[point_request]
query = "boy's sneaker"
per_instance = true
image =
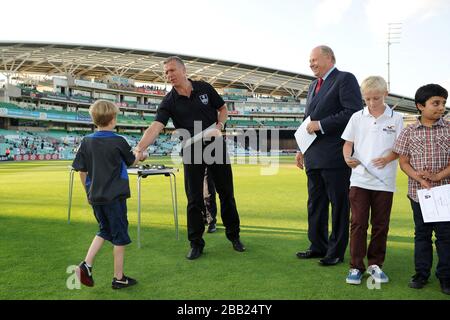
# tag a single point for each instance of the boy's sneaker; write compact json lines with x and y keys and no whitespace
{"x":123,"y":283}
{"x":354,"y":276}
{"x":377,"y":274}
{"x":84,"y":274}
{"x":417,"y":281}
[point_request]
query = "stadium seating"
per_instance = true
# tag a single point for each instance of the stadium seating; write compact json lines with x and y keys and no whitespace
{"x":72,"y":110}
{"x":27,"y":109}
{"x":64,"y":144}
{"x":280,"y":124}
{"x":242,"y":123}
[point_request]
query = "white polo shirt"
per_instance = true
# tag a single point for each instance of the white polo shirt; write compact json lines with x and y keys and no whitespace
{"x":373,"y":138}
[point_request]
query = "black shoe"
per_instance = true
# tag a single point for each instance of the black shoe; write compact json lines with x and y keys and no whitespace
{"x":212,"y":228}
{"x":329,"y":261}
{"x":194,"y":253}
{"x":309,"y":254}
{"x":418,"y":281}
{"x":238,"y":245}
{"x":84,"y":274}
{"x":445,"y":285}
{"x":123,"y":283}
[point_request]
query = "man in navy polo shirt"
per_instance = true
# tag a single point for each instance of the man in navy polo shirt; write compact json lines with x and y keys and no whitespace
{"x":196,"y":105}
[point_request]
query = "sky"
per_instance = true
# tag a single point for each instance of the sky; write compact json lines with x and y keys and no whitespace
{"x":278,"y":34}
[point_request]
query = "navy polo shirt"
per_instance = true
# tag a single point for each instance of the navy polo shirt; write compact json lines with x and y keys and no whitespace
{"x":202,"y":106}
{"x":105,"y":157}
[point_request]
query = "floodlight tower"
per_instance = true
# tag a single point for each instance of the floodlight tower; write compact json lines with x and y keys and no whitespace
{"x":393,"y":37}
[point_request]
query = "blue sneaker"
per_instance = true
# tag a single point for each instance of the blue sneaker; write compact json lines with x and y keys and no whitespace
{"x":377,"y":274}
{"x":354,"y":276}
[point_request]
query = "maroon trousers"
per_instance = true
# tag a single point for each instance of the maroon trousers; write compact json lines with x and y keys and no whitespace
{"x":377,"y":205}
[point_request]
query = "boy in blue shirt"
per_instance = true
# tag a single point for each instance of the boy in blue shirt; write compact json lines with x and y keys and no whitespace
{"x":102,"y":160}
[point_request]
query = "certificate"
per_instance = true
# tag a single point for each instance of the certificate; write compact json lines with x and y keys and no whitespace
{"x":435,"y":203}
{"x":303,"y":138}
{"x":378,"y":174}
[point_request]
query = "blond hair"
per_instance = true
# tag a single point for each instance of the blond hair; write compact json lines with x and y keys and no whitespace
{"x":103,"y":112}
{"x":374,"y":83}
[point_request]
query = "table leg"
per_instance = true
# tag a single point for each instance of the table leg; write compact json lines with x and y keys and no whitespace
{"x":173,"y":190}
{"x":139,"y":211}
{"x":70,"y":194}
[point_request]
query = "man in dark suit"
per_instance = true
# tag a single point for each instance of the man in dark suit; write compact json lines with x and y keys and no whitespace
{"x":332,"y":99}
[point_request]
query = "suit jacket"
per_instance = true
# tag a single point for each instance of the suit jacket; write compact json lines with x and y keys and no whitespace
{"x":338,"y":98}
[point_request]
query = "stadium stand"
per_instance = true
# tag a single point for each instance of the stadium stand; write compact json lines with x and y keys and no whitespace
{"x":57,"y":144}
{"x":47,"y":115}
{"x":61,"y":144}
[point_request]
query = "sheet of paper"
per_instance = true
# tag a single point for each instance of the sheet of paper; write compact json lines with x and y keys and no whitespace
{"x":303,"y":138}
{"x":374,"y":171}
{"x":379,"y":174}
{"x":435,"y":203}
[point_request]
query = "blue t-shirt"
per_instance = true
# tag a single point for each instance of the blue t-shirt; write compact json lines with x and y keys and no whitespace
{"x":105,"y":157}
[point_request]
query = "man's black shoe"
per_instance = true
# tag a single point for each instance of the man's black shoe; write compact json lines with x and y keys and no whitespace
{"x":445,"y":285}
{"x":194,"y":253}
{"x":238,"y":245}
{"x":417,"y":281}
{"x":212,"y":228}
{"x":328,"y":261}
{"x":309,"y":254}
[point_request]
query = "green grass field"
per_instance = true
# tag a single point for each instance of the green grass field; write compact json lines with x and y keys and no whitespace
{"x":37,"y":245}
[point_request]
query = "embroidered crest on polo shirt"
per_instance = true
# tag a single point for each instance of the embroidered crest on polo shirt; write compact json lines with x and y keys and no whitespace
{"x":389,"y":129}
{"x":204,"y":99}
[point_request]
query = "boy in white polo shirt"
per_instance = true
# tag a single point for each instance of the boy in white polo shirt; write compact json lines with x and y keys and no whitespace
{"x":371,"y":133}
